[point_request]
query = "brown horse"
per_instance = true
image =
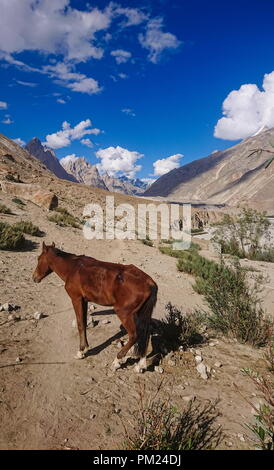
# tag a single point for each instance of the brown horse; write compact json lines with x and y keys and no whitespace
{"x":130,"y":291}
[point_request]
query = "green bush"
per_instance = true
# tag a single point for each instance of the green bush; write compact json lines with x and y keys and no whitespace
{"x":64,"y":218}
{"x":235,"y":306}
{"x":27,"y":227}
{"x":4,"y":209}
{"x":10,"y":239}
{"x":18,"y":201}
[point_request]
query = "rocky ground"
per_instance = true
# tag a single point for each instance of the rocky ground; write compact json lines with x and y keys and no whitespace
{"x":49,"y":400}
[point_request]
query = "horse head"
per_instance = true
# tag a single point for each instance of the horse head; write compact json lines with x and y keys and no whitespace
{"x":43,"y":269}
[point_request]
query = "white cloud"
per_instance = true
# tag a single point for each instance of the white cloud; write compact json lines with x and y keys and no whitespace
{"x":64,"y":137}
{"x":128,"y":111}
{"x":64,"y":75}
{"x":52,"y":28}
{"x":19,"y":141}
{"x":134,"y":16}
{"x":118,"y":161}
{"x":122,"y":75}
{"x":148,"y":181}
{"x":121,"y":56}
{"x":61,"y":101}
{"x":68,"y":158}
{"x":87,"y":142}
{"x":7,"y":120}
{"x":247,"y":110}
{"x":156,"y":41}
{"x":29,"y":84}
{"x":3,"y":105}
{"x":163,"y":166}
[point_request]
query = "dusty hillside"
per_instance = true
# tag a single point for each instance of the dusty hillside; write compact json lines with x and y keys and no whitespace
{"x":226,"y":177}
{"x":49,"y":400}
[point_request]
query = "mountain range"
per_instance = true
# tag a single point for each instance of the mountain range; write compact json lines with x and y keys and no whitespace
{"x":78,"y":169}
{"x":239,"y":175}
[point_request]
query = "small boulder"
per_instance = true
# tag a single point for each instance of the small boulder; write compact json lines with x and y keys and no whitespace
{"x":38,"y":315}
{"x":202,"y":370}
{"x":198,"y":359}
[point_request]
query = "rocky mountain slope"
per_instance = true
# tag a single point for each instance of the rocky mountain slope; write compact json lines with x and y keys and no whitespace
{"x":88,"y":174}
{"x":83,"y":171}
{"x":231,"y":177}
{"x":48,"y":158}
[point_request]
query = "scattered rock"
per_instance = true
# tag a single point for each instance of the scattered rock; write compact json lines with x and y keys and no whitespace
{"x":92,"y":416}
{"x":9,"y":307}
{"x":189,"y":398}
{"x":105,"y":322}
{"x":92,"y":308}
{"x":14,"y":317}
{"x":218,"y":364}
{"x":198,"y":359}
{"x":213,"y":343}
{"x":241,"y":437}
{"x":119,"y":345}
{"x":38,"y":315}
{"x":229,"y":444}
{"x":91,"y":323}
{"x":18,"y":359}
{"x":159,"y":369}
{"x":202,"y":370}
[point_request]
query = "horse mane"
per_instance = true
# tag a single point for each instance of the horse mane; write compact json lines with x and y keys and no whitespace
{"x":60,"y":253}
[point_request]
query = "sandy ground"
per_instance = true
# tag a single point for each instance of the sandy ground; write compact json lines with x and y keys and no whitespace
{"x":49,"y":400}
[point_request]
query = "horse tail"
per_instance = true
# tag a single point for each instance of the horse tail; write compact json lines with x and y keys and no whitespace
{"x":143,"y":317}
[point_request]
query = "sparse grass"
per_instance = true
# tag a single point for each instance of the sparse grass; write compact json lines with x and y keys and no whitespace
{"x":4,"y":209}
{"x":64,"y":218}
{"x":147,"y":241}
{"x":159,"y":425}
{"x":27,"y":227}
{"x":10,"y":239}
{"x":181,"y":329}
{"x":18,"y":201}
{"x":235,"y":305}
{"x":11,"y":177}
{"x":263,"y":428}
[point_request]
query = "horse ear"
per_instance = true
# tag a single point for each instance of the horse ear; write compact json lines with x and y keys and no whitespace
{"x":53,"y":245}
{"x":44,"y":247}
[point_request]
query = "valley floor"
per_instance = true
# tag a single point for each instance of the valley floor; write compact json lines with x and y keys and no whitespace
{"x":49,"y":400}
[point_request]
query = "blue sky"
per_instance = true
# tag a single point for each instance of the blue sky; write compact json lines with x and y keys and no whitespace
{"x":168,"y":65}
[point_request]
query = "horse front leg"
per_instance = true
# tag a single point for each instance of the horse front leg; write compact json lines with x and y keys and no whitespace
{"x":126,"y":317}
{"x":80,"y":307}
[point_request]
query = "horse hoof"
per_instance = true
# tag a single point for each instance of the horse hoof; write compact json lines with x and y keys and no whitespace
{"x":80,"y":355}
{"x":116,"y":364}
{"x":141,"y":366}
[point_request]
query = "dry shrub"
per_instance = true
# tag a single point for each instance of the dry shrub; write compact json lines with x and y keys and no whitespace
{"x":10,"y":239}
{"x":161,"y":426}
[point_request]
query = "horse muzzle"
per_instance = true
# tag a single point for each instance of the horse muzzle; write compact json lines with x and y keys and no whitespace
{"x":36,"y":278}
